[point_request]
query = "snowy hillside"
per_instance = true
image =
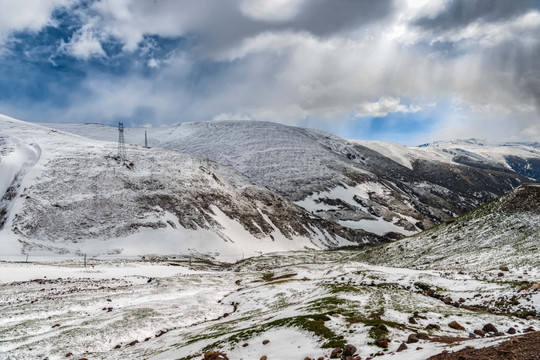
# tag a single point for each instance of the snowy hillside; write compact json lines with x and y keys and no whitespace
{"x":503,"y":232}
{"x":66,"y":194}
{"x":342,"y":180}
{"x":384,"y":188}
{"x":521,"y":158}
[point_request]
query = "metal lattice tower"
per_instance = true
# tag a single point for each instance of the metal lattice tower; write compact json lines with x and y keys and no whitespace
{"x":121,"y":143}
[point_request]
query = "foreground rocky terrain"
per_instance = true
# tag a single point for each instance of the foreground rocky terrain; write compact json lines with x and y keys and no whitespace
{"x":282,"y":306}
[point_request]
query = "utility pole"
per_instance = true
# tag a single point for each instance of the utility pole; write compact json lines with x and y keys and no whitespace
{"x":121,"y":143}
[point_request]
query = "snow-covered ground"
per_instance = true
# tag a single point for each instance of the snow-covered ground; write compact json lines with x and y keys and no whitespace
{"x":304,"y":303}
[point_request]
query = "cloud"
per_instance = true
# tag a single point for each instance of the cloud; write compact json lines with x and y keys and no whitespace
{"x":271,"y":11}
{"x":461,"y":13}
{"x":384,"y":106}
{"x":307,"y":62}
{"x":28,"y":15}
{"x":84,"y":44}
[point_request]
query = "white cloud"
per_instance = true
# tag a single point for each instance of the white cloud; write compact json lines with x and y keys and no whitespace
{"x":84,"y":44}
{"x":384,"y":106}
{"x":29,"y":15}
{"x":275,"y":10}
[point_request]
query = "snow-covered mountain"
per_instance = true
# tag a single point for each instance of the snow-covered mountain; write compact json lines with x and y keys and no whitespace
{"x":345,"y":181}
{"x":388,"y":189}
{"x":63,"y":193}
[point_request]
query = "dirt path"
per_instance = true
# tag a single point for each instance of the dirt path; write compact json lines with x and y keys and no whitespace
{"x":525,"y":347}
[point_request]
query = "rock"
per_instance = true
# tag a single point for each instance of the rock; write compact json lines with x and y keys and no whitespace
{"x":529,"y":317}
{"x":161,"y":332}
{"x":504,"y":268}
{"x":490,"y":328}
{"x":461,"y":300}
{"x":456,"y":325}
{"x":245,"y":345}
{"x":433,"y":326}
{"x":422,"y":336}
{"x":264,"y":357}
{"x":472,"y":336}
{"x":382,"y":342}
{"x":402,"y":347}
{"x":109,"y":300}
{"x":511,"y":331}
{"x":55,"y":325}
{"x":307,"y":358}
{"x":133,"y":342}
{"x":499,"y":334}
{"x":529,"y":329}
{"x":447,"y":300}
{"x":500,"y":274}
{"x":479,"y":333}
{"x":214,"y":355}
{"x":349,"y":350}
{"x":336,"y":353}
{"x":69,"y":354}
{"x":118,"y":346}
{"x":321,"y":358}
{"x":412,"y":339}
{"x":265,"y":342}
{"x":148,"y":338}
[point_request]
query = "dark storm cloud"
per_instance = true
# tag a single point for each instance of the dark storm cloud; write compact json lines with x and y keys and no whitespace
{"x":225,"y":26}
{"x":323,"y":17}
{"x":460,"y":13}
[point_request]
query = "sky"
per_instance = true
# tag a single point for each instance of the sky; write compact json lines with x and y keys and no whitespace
{"x":407,"y":71}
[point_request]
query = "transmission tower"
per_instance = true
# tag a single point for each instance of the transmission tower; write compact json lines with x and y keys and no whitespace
{"x":121,"y":144}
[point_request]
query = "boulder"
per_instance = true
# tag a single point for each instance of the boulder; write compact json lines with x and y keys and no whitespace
{"x":336,"y":353}
{"x":456,"y":325}
{"x":265,"y":342}
{"x":447,"y":300}
{"x":433,"y":326}
{"x":490,"y":328}
{"x":349,"y":350}
{"x":479,"y":333}
{"x":412,"y":339}
{"x":402,"y":347}
{"x":382,"y":342}
{"x":511,"y":331}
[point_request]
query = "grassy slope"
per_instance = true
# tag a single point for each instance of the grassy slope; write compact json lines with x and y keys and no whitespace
{"x":503,"y":232}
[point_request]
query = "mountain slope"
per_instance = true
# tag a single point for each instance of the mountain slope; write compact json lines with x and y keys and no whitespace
{"x":384,"y":188}
{"x":503,"y":232}
{"x":68,"y":194}
{"x":342,"y":180}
